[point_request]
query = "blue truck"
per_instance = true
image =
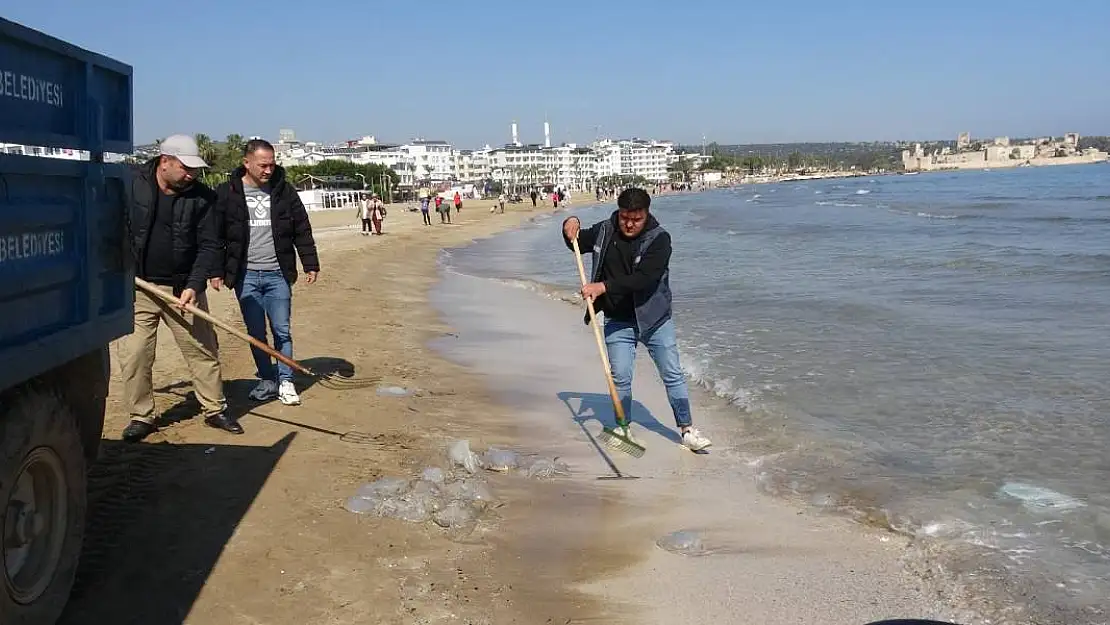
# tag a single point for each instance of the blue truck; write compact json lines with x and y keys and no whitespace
{"x":66,"y":292}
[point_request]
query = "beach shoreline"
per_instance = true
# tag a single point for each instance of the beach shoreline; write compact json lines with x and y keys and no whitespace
{"x":257,"y":523}
{"x":973,"y":542}
{"x":769,"y":559}
{"x":253,"y":528}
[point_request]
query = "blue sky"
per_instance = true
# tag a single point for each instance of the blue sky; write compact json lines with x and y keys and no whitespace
{"x":733,"y":71}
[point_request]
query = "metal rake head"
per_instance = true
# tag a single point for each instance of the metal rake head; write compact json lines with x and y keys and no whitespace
{"x":359,"y":438}
{"x":337,"y":382}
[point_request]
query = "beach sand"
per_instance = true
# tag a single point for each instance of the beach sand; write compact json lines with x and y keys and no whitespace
{"x":197,"y":526}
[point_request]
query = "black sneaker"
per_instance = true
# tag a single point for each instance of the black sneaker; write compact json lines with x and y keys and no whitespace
{"x":137,"y":431}
{"x":223,"y":422}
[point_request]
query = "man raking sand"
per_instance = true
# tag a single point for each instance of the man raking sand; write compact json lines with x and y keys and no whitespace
{"x":630,"y":283}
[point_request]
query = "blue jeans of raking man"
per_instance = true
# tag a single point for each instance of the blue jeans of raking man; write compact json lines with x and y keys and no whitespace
{"x":621,"y":339}
{"x":266,"y":295}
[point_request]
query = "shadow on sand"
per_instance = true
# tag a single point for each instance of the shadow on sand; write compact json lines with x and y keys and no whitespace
{"x":159,"y":518}
{"x":238,"y":391}
{"x":586,"y":406}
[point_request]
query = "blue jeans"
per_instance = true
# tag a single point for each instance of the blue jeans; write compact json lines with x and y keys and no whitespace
{"x":264,"y":294}
{"x":620,"y":341}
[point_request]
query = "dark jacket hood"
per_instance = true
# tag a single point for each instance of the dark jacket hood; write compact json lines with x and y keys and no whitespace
{"x":651,"y":224}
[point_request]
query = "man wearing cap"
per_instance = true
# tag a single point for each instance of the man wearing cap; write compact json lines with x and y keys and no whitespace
{"x":175,"y":242}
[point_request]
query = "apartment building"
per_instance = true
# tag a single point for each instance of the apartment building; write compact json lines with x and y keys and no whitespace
{"x":634,"y":157}
{"x":514,"y":164}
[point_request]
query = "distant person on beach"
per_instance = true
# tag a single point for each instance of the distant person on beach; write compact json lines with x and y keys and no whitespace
{"x":364,"y":214}
{"x":175,"y":242}
{"x":501,"y":199}
{"x":631,"y":286}
{"x":555,"y":199}
{"x":443,"y":209}
{"x":424,"y":201}
{"x":377,"y":213}
{"x":534,"y":195}
{"x":458,"y":202}
{"x":265,"y":228}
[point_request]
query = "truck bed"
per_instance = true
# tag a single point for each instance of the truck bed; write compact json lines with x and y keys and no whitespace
{"x":65,"y":271}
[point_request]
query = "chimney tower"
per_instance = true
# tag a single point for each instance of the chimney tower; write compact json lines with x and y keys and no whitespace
{"x":516,"y":138}
{"x":546,"y":135}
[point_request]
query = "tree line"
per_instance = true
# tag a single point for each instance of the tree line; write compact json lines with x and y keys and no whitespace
{"x":223,"y":157}
{"x":755,"y":159}
{"x":1100,"y":143}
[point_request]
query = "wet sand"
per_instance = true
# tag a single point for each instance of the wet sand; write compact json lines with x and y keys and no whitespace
{"x":762,"y":560}
{"x":197,"y":526}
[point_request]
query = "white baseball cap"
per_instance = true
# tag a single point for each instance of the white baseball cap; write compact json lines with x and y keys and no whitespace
{"x":183,"y":148}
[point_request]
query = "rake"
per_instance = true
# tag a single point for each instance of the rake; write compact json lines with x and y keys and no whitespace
{"x":331,"y":381}
{"x":619,"y":438}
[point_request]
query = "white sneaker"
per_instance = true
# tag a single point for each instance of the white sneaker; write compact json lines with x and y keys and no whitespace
{"x":265,"y":390}
{"x":287,"y":393}
{"x":694,"y":440}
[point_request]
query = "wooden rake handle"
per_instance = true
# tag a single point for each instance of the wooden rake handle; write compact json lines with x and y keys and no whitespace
{"x":600,"y":339}
{"x":152,"y":290}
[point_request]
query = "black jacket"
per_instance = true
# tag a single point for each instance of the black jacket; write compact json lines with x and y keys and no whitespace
{"x":196,"y":241}
{"x":288,"y":218}
{"x":634,"y":270}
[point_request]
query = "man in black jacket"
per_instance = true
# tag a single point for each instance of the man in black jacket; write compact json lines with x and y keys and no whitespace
{"x":265,"y":227}
{"x":630,"y":285}
{"x":175,"y":242}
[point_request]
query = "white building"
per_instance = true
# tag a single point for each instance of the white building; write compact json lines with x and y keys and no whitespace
{"x":471,"y":165}
{"x":433,"y":159}
{"x":29,"y":150}
{"x":634,"y":157}
{"x":515,"y":164}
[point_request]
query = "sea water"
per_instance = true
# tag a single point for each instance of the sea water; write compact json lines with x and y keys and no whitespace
{"x":929,"y":353}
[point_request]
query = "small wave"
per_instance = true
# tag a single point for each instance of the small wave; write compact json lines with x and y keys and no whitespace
{"x":994,"y":205}
{"x":744,"y":398}
{"x":928,"y":215}
{"x":1065,"y":219}
{"x":1039,"y":498}
{"x":863,"y":191}
{"x":1087,"y":198}
{"x":549,"y":291}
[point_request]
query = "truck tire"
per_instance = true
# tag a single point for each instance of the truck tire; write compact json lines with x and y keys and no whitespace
{"x":83,"y":383}
{"x":42,"y":505}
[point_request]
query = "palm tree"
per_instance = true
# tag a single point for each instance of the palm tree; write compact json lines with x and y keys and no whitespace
{"x":752,"y":163}
{"x":234,"y":145}
{"x":206,"y":148}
